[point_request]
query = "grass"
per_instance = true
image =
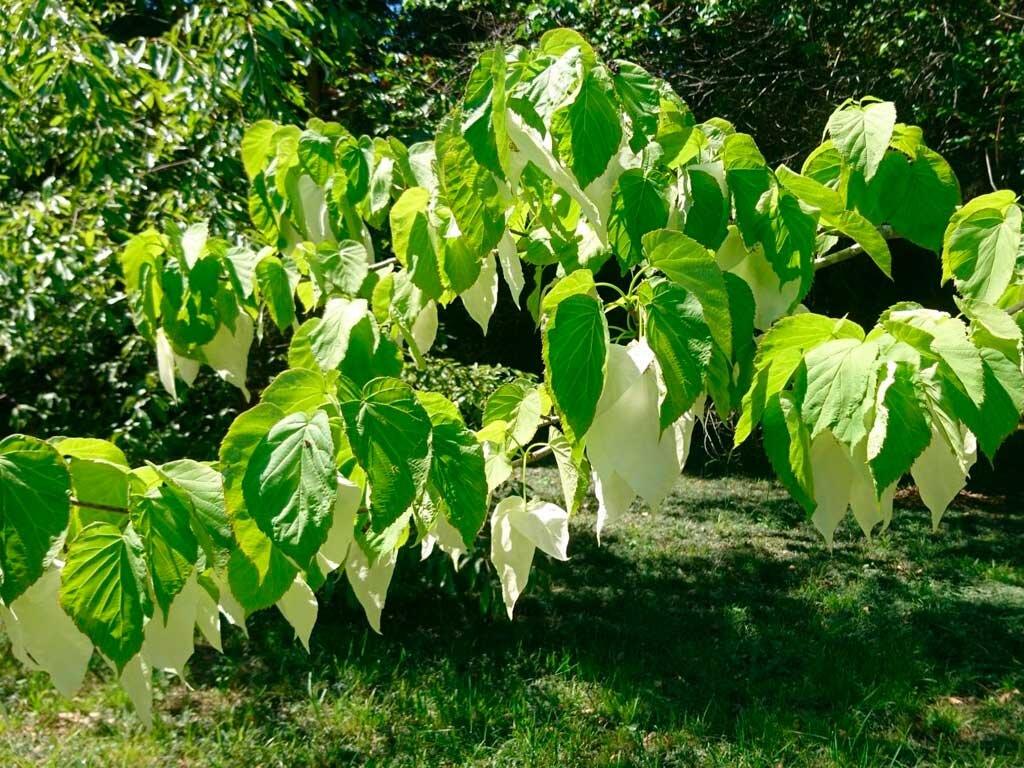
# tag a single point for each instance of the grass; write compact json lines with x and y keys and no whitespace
{"x":716,"y":631}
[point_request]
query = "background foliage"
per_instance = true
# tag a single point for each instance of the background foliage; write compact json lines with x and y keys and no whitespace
{"x":135,"y":112}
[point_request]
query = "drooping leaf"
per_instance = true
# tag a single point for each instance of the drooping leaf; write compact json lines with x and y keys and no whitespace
{"x":456,"y":467}
{"x":34,"y":511}
{"x":103,"y":589}
{"x":689,"y":264}
{"x":840,"y":379}
{"x":389,"y":432}
{"x":162,"y":522}
{"x":682,"y":345}
{"x":290,"y":483}
{"x":575,"y":343}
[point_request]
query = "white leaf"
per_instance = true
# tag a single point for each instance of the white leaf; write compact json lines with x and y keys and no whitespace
{"x":137,"y":681}
{"x":169,"y":646}
{"x":511,"y":267}
{"x":613,"y":499}
{"x":939,"y":475}
{"x":772,"y":298}
{"x":229,"y":605}
{"x":517,"y":530}
{"x":370,"y":582}
{"x":315,"y":215}
{"x":44,"y":637}
{"x":531,"y":147}
{"x":187,"y":368}
{"x":299,"y":607}
{"x":228,"y":353}
{"x":422,"y":162}
{"x":193,"y":240}
{"x":165,"y":363}
{"x":481,"y":297}
{"x":208,"y":619}
{"x":833,"y":479}
{"x":339,"y":537}
{"x":424,"y":328}
{"x":445,"y":536}
{"x":497,"y":468}
{"x":867,"y":508}
{"x":625,"y":439}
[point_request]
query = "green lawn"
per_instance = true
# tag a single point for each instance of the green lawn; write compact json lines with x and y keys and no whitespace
{"x":717,"y":631}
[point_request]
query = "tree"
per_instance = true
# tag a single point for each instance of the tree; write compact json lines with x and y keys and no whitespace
{"x":554,"y":164}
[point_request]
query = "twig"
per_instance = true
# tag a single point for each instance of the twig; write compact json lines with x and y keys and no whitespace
{"x":378,"y":265}
{"x":848,"y":253}
{"x":101,"y":507}
{"x":1015,"y":308}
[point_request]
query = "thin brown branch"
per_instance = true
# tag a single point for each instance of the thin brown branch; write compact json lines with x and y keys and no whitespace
{"x":100,"y":507}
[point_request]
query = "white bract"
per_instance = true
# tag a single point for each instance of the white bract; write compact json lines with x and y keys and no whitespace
{"x":518,"y":529}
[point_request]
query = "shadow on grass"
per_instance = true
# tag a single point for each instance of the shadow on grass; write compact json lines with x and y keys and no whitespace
{"x":722,"y":616}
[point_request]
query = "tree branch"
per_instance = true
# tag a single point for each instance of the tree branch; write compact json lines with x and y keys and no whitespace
{"x":846,"y":254}
{"x":384,"y":264}
{"x":100,"y":507}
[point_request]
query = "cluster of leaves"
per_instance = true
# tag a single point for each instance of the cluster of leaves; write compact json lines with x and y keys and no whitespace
{"x":116,"y":113}
{"x":557,"y":163}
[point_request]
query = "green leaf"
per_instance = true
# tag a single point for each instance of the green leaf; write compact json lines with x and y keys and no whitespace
{"x":748,"y":179}
{"x":290,"y":483}
{"x":901,"y":430}
{"x":257,"y":146}
{"x":682,"y":344}
{"x":1003,"y":402}
{"x":298,"y":390}
{"x":917,"y":198}
{"x":339,"y":268}
{"x":259,"y":574}
{"x":840,"y":377}
{"x":689,"y":264}
{"x":788,"y":445}
{"x":103,"y":589}
{"x":573,"y":469}
{"x":316,"y":156}
{"x":835,"y":214}
{"x":456,"y":467}
{"x":170,"y":546}
{"x":780,"y":353}
{"x":276,"y":291}
{"x":824,"y":165}
{"x":575,"y":347}
{"x":202,"y":487}
{"x":708,"y":215}
{"x":639,"y":94}
{"x":518,"y":405}
{"x":389,"y":432}
{"x":861,"y":134}
{"x":415,"y":241}
{"x":34,"y":511}
{"x":981,"y":245}
{"x":336,"y":332}
{"x":788,"y":234}
{"x":941,"y":338}
{"x":472,"y":194}
{"x":992,"y":327}
{"x":639,"y":205}
{"x":594,"y":131}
